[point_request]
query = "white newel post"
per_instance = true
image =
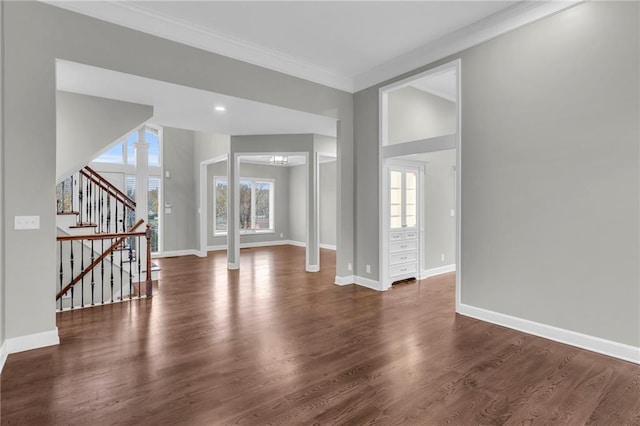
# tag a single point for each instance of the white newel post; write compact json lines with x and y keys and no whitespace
{"x":142,"y":191}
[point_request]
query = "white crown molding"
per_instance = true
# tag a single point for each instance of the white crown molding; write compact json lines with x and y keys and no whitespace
{"x":509,"y":19}
{"x":130,"y":16}
{"x":584,"y":341}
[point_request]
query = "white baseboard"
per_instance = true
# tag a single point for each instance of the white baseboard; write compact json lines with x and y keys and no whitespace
{"x":175,"y":253}
{"x":216,"y":248}
{"x":296,"y":243}
{"x":312,"y":268}
{"x":233,"y":266}
{"x":349,"y":279}
{"x":437,"y":271}
{"x":584,"y":341}
{"x":3,"y":355}
{"x":366,"y":282}
{"x":328,"y":246}
{"x":32,"y":341}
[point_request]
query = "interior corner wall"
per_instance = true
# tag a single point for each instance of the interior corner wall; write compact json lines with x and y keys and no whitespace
{"x":35,"y":35}
{"x":86,"y":125}
{"x":2,"y":223}
{"x":550,"y":172}
{"x":179,"y":190}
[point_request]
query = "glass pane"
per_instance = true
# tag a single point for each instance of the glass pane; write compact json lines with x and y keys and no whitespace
{"x":412,"y":180}
{"x":411,"y":210}
{"x":411,"y":221}
{"x":64,"y":195}
{"x":395,"y":179}
{"x":245,"y":205}
{"x":396,"y":222}
{"x":263,"y":217}
{"x":131,"y":151}
{"x":152,"y":215}
{"x":130,"y":189}
{"x":221,"y":204}
{"x":113,"y":155}
{"x":411,"y":196}
{"x":396,"y":210}
{"x":396,"y":196}
{"x":154,"y":148}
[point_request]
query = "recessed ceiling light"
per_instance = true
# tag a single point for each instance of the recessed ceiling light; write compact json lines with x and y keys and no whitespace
{"x":220,"y":108}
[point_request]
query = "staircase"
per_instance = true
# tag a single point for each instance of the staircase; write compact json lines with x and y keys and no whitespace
{"x":103,"y":255}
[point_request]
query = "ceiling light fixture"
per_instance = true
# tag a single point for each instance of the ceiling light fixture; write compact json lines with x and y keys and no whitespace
{"x":279,"y":160}
{"x":220,"y":108}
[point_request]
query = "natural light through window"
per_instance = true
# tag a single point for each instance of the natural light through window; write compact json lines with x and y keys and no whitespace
{"x":256,"y":205}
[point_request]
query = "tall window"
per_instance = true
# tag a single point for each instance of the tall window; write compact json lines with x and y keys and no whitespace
{"x":124,"y":152}
{"x":153,"y":196}
{"x":256,"y":205}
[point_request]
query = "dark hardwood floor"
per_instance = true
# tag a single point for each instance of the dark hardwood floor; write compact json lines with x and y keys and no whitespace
{"x":271,"y":344}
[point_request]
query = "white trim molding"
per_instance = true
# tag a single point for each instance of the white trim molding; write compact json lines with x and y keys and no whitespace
{"x":32,"y":341}
{"x":583,"y":341}
{"x":348,"y":280}
{"x":3,"y":355}
{"x":312,"y":268}
{"x":176,"y":253}
{"x":437,"y":271}
{"x":233,"y":266}
{"x":369,"y":283}
{"x":328,"y":246}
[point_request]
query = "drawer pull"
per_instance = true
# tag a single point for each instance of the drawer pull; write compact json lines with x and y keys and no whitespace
{"x":403,"y":269}
{"x":403,"y":258}
{"x":403,"y":246}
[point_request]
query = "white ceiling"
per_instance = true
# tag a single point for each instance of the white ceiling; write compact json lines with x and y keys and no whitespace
{"x":349,"y":45}
{"x":188,"y":108}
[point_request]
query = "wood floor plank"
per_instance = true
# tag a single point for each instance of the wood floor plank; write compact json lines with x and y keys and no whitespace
{"x":273,"y":344}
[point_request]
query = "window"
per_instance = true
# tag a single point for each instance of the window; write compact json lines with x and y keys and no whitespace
{"x":124,"y":152}
{"x":152,"y":209}
{"x":113,"y":155}
{"x":256,"y":205}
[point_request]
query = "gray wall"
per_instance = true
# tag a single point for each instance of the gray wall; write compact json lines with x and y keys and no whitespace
{"x":280,"y":175}
{"x":35,"y":34}
{"x":415,"y":114}
{"x":550,"y":193}
{"x":85,"y":125}
{"x":179,"y":226}
{"x":2,"y":241}
{"x":439,"y":199}
{"x":298,"y":203}
{"x":328,"y":187}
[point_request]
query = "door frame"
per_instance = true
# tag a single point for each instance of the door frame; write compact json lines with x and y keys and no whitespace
{"x":436,"y":144}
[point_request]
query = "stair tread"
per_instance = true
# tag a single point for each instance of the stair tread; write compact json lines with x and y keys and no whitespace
{"x":84,"y":225}
{"x":68,"y":213}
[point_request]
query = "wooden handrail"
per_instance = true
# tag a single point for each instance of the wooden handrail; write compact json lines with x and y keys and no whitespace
{"x":100,"y":236}
{"x":107,"y":186}
{"x":102,"y":256}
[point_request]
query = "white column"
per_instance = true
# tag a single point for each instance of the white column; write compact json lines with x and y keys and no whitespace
{"x":142,"y":189}
{"x":233,"y":212}
{"x":313,"y":224}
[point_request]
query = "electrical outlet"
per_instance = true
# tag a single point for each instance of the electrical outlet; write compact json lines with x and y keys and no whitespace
{"x":281,"y":235}
{"x":349,"y":267}
{"x":368,"y":268}
{"x":453,"y":212}
{"x":442,"y":257}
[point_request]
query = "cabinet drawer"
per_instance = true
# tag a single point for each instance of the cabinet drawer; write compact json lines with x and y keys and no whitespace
{"x":410,"y":256}
{"x":410,"y":235}
{"x":404,"y":269}
{"x":396,"y":236}
{"x":403,"y":246}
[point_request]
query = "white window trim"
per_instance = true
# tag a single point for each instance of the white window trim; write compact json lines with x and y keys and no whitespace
{"x":272,"y":228}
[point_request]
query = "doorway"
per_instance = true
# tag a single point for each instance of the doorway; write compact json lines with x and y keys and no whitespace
{"x":420,"y":151}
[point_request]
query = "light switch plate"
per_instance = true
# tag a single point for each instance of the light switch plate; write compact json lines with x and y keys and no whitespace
{"x":26,"y":222}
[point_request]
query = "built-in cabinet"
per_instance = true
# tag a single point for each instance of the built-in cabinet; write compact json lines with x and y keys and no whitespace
{"x":403,"y":258}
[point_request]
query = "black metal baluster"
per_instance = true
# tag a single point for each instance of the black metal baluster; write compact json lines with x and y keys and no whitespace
{"x":71,"y":196}
{"x":111,"y":280}
{"x":82,"y":273}
{"x":71,"y":261}
{"x":95,"y":205}
{"x":80,"y":196}
{"x":121,"y":273}
{"x":108,"y":213}
{"x":130,"y":272}
{"x":93,"y":281}
{"x":139,"y":267}
{"x":61,"y":273}
{"x":102,"y":274}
